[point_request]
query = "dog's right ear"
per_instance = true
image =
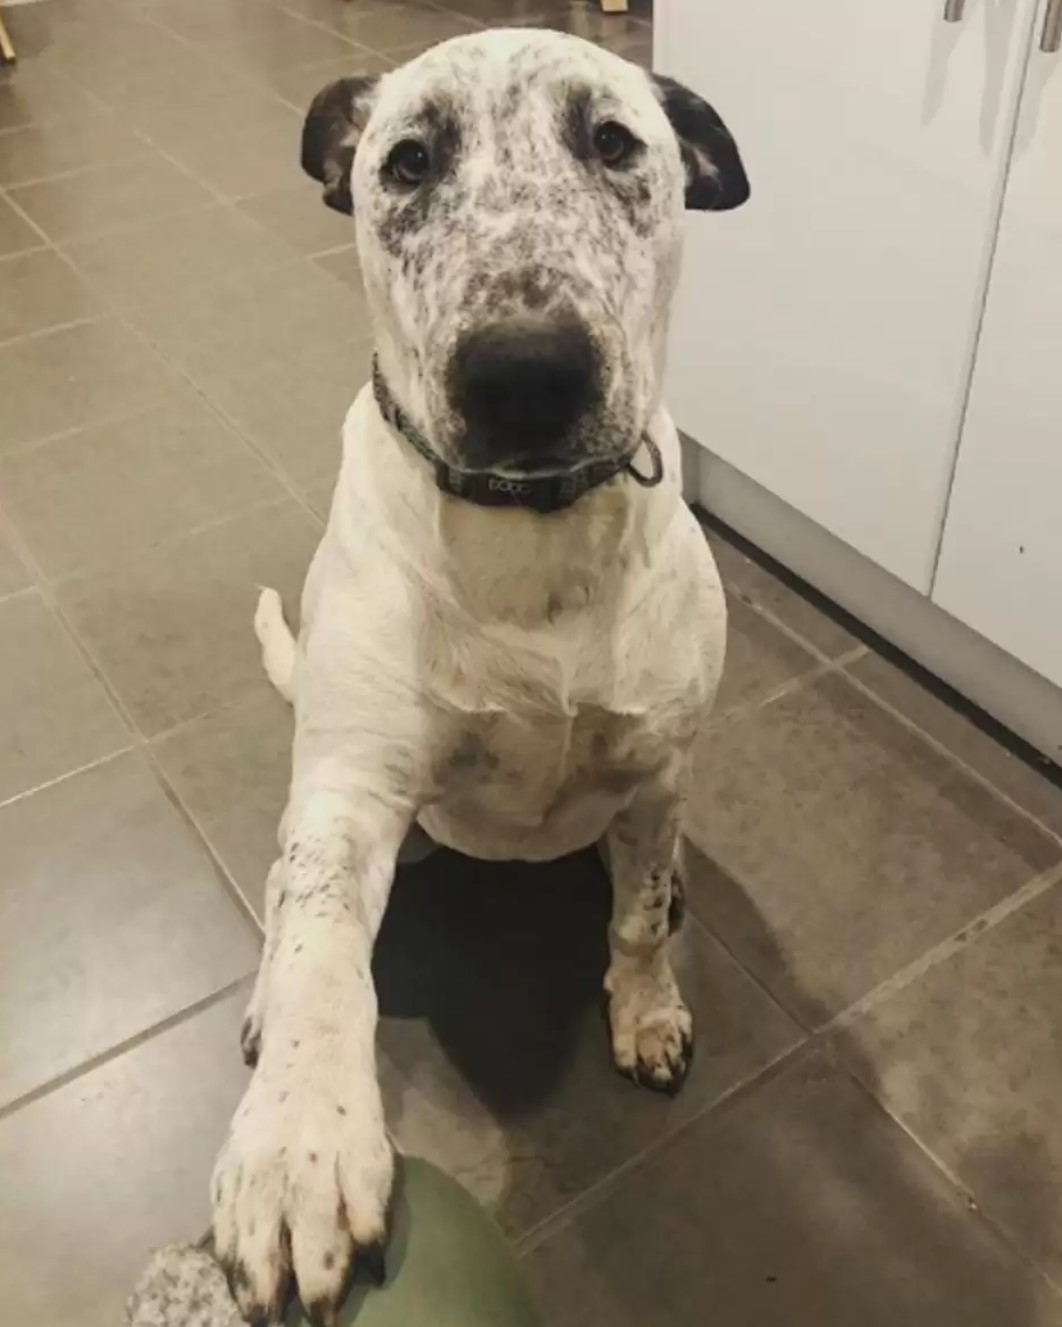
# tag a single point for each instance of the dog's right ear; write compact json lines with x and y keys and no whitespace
{"x":334,"y":124}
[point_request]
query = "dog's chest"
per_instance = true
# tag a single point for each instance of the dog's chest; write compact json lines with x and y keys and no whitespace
{"x":513,"y":786}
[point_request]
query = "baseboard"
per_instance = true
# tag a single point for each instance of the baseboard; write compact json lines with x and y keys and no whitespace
{"x":1020,"y":699}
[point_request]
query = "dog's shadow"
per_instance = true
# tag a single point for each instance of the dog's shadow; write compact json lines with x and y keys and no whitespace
{"x":501,"y":961}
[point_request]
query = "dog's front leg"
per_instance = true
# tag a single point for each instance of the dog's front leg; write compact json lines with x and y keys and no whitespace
{"x":652,"y":1030}
{"x":302,"y":1183}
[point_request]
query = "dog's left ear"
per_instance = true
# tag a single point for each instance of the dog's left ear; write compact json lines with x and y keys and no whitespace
{"x":715,"y":177}
{"x":335,"y":121}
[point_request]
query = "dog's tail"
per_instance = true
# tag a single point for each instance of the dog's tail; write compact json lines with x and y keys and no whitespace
{"x":277,"y":642}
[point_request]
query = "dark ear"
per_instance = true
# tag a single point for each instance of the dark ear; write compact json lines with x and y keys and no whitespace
{"x":334,"y":123}
{"x":715,"y":178}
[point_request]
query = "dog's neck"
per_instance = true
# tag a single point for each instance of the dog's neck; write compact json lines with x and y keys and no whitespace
{"x":506,"y":565}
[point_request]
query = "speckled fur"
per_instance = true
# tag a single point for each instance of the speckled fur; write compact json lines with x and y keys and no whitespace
{"x":520,"y":222}
{"x":516,"y":685}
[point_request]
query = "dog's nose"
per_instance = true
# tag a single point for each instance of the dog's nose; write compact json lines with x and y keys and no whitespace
{"x":528,"y":382}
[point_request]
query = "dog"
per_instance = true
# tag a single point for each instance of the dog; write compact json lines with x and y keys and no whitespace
{"x":513,"y":627}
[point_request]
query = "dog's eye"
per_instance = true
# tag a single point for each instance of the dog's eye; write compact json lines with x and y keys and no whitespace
{"x":614,"y":143}
{"x":408,"y":162}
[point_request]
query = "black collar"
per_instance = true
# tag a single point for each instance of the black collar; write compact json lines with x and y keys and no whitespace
{"x":540,"y":493}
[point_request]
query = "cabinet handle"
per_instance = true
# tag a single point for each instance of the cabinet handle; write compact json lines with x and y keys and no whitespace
{"x":1051,"y":33}
{"x":953,"y":10}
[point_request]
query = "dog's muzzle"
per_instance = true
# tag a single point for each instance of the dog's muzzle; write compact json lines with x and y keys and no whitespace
{"x":522,"y":386}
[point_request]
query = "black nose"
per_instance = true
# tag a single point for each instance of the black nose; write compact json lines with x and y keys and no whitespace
{"x":528,"y":382}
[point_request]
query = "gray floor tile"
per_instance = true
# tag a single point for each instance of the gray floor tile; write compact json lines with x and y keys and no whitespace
{"x":298,"y":87}
{"x":163,"y":259}
{"x":189,"y":608}
{"x":808,"y":1206}
{"x":838,"y":847}
{"x":75,"y":377}
{"x":14,"y":574}
{"x":319,"y":496}
{"x":501,"y":13}
{"x":54,"y":714}
{"x":250,"y":157}
{"x":231,"y":770}
{"x":16,"y":234}
{"x":508,"y":1077}
{"x":296,"y":416}
{"x":42,"y":291}
{"x":393,"y":27}
{"x":747,"y":580}
{"x":30,"y":95}
{"x":157,"y":105}
{"x":249,"y":35}
{"x":104,"y":197}
{"x":968,"y":1057}
{"x":108,"y":493}
{"x":299,"y":217}
{"x":345,"y":266}
{"x":273,"y":324}
{"x":759,"y":659}
{"x":39,"y":151}
{"x":1035,"y":788}
{"x":120,"y":917}
{"x":109,"y":1167}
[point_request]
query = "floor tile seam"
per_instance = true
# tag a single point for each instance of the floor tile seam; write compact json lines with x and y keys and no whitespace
{"x":86,"y":767}
{"x":125,"y":1047}
{"x":207,"y":49}
{"x":973,"y":1203}
{"x":970,"y":933}
{"x":178,"y":371}
{"x":799,"y":682}
{"x":952,"y":757}
{"x":140,"y":148}
{"x":21,"y":338}
{"x":321,"y":25}
{"x":226,"y":878}
{"x":704,"y":928}
{"x":46,"y":591}
{"x":721,"y":1107}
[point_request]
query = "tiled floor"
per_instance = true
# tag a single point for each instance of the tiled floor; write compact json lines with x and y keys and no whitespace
{"x":874,"y":949}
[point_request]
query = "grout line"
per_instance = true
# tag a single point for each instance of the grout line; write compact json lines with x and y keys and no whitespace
{"x":132,"y":1043}
{"x":15,"y":798}
{"x":952,"y":757}
{"x":39,"y":333}
{"x":944,"y":950}
{"x":973,"y":1203}
{"x":599,"y":1190}
{"x":227,"y":879}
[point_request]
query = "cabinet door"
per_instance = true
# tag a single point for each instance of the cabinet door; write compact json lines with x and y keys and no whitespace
{"x":823,"y":333}
{"x":1001,"y":560}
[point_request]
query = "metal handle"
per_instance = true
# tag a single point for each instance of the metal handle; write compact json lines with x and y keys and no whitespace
{"x":1051,"y":33}
{"x":953,"y":10}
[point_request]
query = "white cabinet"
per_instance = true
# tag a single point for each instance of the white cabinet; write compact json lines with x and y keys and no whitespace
{"x":1001,"y":558}
{"x":823,"y":334}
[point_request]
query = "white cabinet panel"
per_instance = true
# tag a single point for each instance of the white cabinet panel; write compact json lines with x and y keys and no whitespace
{"x":1001,"y":561}
{"x":823,"y":333}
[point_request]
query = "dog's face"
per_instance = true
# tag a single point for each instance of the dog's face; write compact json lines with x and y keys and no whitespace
{"x":518,"y":197}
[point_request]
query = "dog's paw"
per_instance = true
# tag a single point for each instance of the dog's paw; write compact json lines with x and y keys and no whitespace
{"x":652,"y":1030}
{"x":300,"y":1193}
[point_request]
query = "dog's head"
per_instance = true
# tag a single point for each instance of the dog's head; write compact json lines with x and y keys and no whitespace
{"x":518,"y":196}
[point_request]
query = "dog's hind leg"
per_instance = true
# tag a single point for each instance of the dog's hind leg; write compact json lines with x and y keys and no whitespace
{"x":277,"y":642}
{"x":652,"y":1030}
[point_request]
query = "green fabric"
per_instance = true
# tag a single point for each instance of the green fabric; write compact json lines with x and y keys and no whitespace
{"x":448,"y":1264}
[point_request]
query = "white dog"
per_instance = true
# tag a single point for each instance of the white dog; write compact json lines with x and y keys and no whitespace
{"x":513,"y":627}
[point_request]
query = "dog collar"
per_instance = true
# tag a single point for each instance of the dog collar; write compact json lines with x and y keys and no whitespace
{"x":539,"y":493}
